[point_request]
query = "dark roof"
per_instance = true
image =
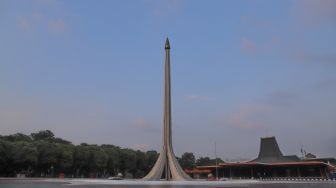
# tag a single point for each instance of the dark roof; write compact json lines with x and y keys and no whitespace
{"x":326,"y":160}
{"x":269,"y":152}
{"x":209,"y":166}
{"x":299,"y":163}
{"x":250,"y":164}
{"x":293,"y":157}
{"x":270,"y":155}
{"x":310,"y":156}
{"x":239,"y":164}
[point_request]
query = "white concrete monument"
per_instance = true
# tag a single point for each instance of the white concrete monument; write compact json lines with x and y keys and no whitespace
{"x":166,"y":165}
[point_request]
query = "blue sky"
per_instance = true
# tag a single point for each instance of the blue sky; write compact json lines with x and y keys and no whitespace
{"x":92,"y":71}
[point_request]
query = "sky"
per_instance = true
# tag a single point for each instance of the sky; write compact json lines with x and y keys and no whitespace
{"x":92,"y":71}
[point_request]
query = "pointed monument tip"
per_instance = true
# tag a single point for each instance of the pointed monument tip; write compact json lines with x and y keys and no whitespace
{"x":167,"y":45}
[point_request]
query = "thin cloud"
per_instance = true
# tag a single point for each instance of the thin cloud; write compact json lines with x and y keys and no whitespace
{"x":306,"y":15}
{"x":283,"y":98}
{"x":47,"y":16}
{"x":282,"y":95}
{"x":248,"y":117}
{"x":247,"y":45}
{"x":57,"y":26}
{"x":37,"y":16}
{"x":142,"y":147}
{"x":164,"y":8}
{"x":142,"y":124}
{"x":45,"y":2}
{"x":328,"y":83}
{"x":139,"y":122}
{"x":194,"y":97}
{"x":254,"y":22}
{"x":24,"y":23}
{"x":267,"y":44}
{"x":39,"y":21}
{"x":312,"y":13}
{"x":262,"y":46}
{"x":310,"y":57}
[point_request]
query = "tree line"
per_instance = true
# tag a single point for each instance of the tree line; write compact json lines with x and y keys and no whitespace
{"x":41,"y":154}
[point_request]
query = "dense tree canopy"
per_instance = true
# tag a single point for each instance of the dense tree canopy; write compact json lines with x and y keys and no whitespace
{"x":43,"y":154}
{"x":206,"y":161}
{"x":42,"y":135}
{"x":187,"y":161}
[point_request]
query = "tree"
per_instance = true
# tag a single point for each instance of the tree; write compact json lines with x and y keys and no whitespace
{"x":187,"y":161}
{"x":81,"y":157}
{"x":141,"y":164}
{"x":113,"y":159}
{"x":151,"y":157}
{"x":42,"y":135}
{"x":7,"y":167}
{"x":127,"y":162}
{"x":100,"y":159}
{"x":206,"y":161}
{"x":203,"y":161}
{"x":216,"y":161}
{"x":17,"y":137}
{"x":64,"y":158}
{"x":43,"y":154}
{"x":58,"y":140}
{"x":2,"y":153}
{"x":47,"y":157}
{"x":25,"y":156}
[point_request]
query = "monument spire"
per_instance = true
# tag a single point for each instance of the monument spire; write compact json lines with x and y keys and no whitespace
{"x":167,"y":45}
{"x":166,"y":165}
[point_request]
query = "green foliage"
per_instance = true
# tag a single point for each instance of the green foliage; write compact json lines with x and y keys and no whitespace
{"x":64,"y":159}
{"x":203,"y":161}
{"x":47,"y":153}
{"x":43,"y":154}
{"x":25,"y":154}
{"x":206,"y":161}
{"x":17,"y":137}
{"x":187,"y":161}
{"x":151,"y":157}
{"x":58,"y":140}
{"x":42,"y":135}
{"x":112,"y":164}
{"x":127,"y":161}
{"x":6,"y":158}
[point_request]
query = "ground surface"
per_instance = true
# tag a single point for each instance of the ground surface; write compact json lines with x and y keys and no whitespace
{"x":100,"y":183}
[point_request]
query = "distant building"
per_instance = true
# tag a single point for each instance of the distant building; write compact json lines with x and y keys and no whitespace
{"x":269,"y":163}
{"x":328,"y":160}
{"x":310,"y":156}
{"x":199,"y":173}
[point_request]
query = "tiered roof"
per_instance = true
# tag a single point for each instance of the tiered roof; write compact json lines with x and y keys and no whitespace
{"x":269,"y":152}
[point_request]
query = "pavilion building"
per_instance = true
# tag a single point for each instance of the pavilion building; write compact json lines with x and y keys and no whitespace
{"x":270,"y":163}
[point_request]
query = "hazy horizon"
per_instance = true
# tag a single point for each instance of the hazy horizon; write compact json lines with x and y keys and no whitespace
{"x":93,"y":72}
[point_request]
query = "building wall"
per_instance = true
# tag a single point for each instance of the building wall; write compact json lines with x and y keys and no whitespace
{"x":268,"y":172}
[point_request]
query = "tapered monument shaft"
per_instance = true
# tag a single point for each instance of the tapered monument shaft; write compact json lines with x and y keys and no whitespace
{"x":166,"y":164}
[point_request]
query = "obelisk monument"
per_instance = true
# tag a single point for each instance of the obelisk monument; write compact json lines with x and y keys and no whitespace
{"x":166,"y":166}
